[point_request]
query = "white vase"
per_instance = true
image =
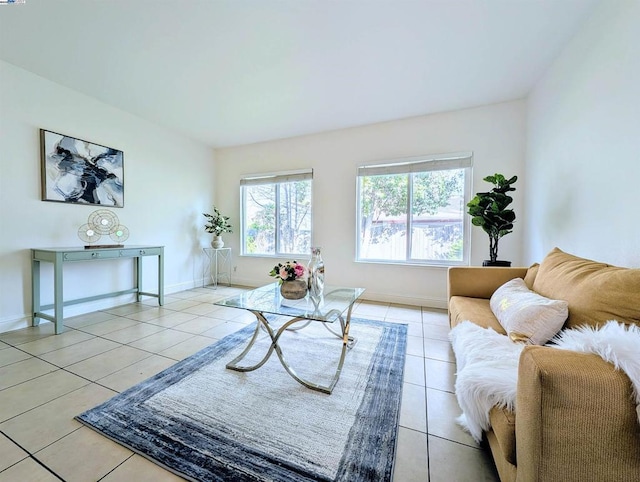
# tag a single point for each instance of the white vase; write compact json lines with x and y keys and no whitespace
{"x":316,"y":274}
{"x":217,"y":242}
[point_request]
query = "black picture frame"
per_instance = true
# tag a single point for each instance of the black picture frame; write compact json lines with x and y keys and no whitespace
{"x":75,"y":171}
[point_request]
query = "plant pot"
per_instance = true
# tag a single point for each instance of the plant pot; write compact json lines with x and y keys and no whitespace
{"x":497,"y":262}
{"x":294,"y":290}
{"x":217,"y":242}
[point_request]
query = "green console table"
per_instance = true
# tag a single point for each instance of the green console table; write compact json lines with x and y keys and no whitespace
{"x":60,"y":256}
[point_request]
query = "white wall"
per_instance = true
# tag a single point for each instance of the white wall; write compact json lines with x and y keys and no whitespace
{"x":583,"y":155}
{"x":494,"y":133}
{"x":168,"y":184}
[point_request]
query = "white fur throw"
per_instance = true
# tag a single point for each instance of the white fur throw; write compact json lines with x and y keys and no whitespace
{"x":487,"y":365}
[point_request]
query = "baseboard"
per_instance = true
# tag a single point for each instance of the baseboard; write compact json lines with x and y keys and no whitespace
{"x":249,"y":282}
{"x":69,"y":311}
{"x":404,"y":300}
{"x":187,"y":285}
{"x":14,"y":324}
{"x":24,"y":321}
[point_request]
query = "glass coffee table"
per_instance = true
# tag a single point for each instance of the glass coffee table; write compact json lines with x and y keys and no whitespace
{"x":332,"y":309}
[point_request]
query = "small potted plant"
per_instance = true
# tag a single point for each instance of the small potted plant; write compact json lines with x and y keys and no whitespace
{"x":489,"y":211}
{"x":216,"y":225}
{"x":292,"y":277}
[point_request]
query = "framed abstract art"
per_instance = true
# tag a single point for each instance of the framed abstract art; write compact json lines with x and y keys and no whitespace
{"x":76,"y":171}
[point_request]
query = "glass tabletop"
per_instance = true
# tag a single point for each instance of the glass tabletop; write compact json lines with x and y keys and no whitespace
{"x":267,"y":299}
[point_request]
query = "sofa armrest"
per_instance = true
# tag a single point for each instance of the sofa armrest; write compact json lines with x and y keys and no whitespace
{"x":479,"y":281}
{"x":576,"y":419}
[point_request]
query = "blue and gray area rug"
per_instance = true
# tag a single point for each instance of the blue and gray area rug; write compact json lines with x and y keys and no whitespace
{"x":207,"y":423}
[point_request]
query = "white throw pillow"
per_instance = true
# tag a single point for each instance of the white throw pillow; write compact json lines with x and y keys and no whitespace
{"x":525,"y":315}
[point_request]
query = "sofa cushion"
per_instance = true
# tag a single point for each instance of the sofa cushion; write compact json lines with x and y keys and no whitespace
{"x":530,"y":277}
{"x":477,"y":310}
{"x":506,"y":471}
{"x":596,"y":292}
{"x":503,"y":424}
{"x":525,"y":315}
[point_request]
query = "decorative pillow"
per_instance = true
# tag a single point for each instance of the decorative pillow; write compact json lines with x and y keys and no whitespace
{"x":525,"y":315}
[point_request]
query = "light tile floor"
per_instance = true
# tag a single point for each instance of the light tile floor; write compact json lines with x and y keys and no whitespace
{"x":46,"y":379}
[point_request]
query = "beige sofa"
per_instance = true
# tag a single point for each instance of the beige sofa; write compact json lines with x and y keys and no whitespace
{"x":576,"y":418}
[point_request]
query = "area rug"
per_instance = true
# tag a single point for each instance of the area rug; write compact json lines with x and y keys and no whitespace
{"x":207,"y":423}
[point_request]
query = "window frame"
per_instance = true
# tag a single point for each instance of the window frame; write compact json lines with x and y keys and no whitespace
{"x":275,"y":179}
{"x":409,"y":166}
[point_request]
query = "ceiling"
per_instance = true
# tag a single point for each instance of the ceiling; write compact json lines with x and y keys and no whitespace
{"x":232,"y":72}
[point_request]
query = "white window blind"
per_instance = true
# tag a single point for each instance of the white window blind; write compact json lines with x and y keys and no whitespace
{"x":459,"y":160}
{"x":276,"y":178}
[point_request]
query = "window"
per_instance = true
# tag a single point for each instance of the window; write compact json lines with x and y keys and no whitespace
{"x":276,"y":214}
{"x":412,"y":210}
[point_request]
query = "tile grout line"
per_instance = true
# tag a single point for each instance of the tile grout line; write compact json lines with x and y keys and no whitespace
{"x":117,"y":466}
{"x":30,"y":456}
{"x":426,"y":400}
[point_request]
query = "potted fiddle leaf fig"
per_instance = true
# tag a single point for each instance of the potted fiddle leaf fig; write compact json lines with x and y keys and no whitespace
{"x":490,"y":211}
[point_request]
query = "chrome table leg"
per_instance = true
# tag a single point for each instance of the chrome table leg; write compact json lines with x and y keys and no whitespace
{"x":262,"y":322}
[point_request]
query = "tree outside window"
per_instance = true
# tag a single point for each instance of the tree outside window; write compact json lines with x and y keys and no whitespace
{"x":415,"y":215}
{"x":277,"y":216}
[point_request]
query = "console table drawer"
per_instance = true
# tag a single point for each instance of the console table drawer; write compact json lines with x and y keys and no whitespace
{"x":131,"y":252}
{"x":90,"y":254}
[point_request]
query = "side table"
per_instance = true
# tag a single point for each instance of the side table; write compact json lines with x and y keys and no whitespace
{"x":218,"y":265}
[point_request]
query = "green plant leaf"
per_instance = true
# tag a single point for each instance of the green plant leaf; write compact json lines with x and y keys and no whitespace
{"x":489,"y":210}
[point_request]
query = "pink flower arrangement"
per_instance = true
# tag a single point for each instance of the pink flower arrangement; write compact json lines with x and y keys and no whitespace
{"x":289,"y":271}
